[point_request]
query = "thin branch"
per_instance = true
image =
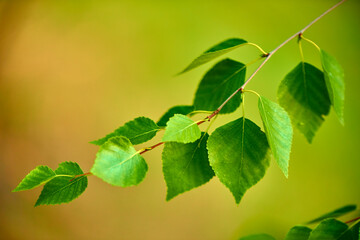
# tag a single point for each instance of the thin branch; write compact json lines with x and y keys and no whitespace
{"x":151,"y":148}
{"x":299,"y":33}
{"x":352,"y":220}
{"x":322,"y":15}
{"x":267,"y":57}
{"x":80,"y":175}
{"x":161,"y":143}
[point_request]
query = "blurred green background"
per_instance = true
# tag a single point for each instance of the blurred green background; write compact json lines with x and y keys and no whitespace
{"x":72,"y":71}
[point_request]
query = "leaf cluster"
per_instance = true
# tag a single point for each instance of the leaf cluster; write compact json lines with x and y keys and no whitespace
{"x":237,"y":153}
{"x":63,"y":185}
{"x":327,"y":228}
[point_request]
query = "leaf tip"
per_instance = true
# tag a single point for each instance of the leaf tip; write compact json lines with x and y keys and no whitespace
{"x":342,"y":121}
{"x":237,"y":198}
{"x":309,"y":139}
{"x":37,"y":203}
{"x":286,"y":174}
{"x":95,"y":142}
{"x":180,"y":73}
{"x":169,"y":197}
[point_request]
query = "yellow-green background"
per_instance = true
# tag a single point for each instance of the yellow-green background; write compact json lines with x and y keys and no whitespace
{"x":72,"y":71}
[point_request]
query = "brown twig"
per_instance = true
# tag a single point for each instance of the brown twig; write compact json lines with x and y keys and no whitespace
{"x":352,"y":220}
{"x":151,"y":148}
{"x":267,"y":57}
{"x":80,"y":175}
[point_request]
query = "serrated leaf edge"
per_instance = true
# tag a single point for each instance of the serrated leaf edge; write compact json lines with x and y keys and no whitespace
{"x":138,"y":152}
{"x":292,"y":132}
{"x":95,"y":142}
{"x":266,"y":167}
{"x":44,"y":182}
{"x":193,"y":122}
{"x":206,"y":53}
{"x":72,"y":182}
{"x":167,"y":188}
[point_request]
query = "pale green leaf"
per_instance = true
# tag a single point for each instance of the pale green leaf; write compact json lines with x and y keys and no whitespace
{"x":258,"y":237}
{"x":40,"y":175}
{"x":214,"y":52}
{"x":334,"y":77}
{"x":64,"y":187}
{"x":239,"y":154}
{"x":298,"y":233}
{"x":118,"y":163}
{"x":278,"y":131}
{"x":334,"y":214}
{"x":218,"y":84}
{"x":183,"y":109}
{"x":329,"y":229}
{"x":181,"y":129}
{"x":138,"y":131}
{"x":185,"y":166}
{"x":304,"y":96}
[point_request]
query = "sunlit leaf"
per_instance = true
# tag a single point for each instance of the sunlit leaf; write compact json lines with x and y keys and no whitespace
{"x":278,"y":131}
{"x":334,"y":77}
{"x":118,"y":163}
{"x":138,"y":131}
{"x":40,"y":175}
{"x":64,"y":187}
{"x":181,"y":129}
{"x":183,"y":109}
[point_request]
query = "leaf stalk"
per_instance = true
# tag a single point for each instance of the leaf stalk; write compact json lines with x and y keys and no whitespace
{"x":267,"y":56}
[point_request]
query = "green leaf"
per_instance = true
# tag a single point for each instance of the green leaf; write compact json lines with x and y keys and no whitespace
{"x":181,"y":129}
{"x":334,"y":77}
{"x":239,"y":154}
{"x":138,"y":131}
{"x":214,"y":52}
{"x":64,"y":187}
{"x":298,"y":233}
{"x":278,"y":131}
{"x":353,"y":233}
{"x":218,"y":84}
{"x":258,"y":237}
{"x":118,"y":163}
{"x":40,"y":175}
{"x":184,"y":109}
{"x":304,"y":96}
{"x":328,"y":229}
{"x":334,"y":214}
{"x":186,"y":166}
